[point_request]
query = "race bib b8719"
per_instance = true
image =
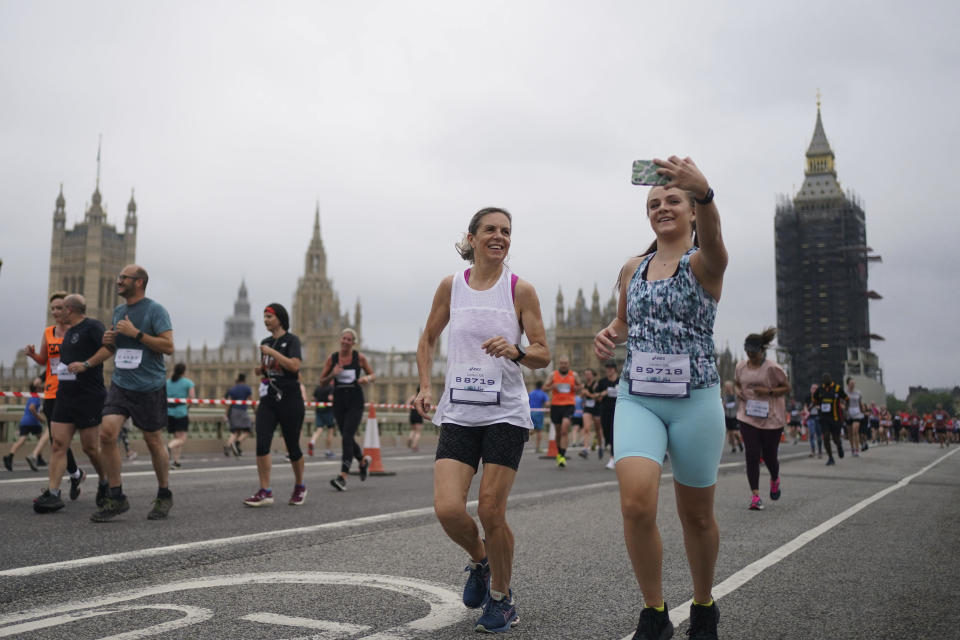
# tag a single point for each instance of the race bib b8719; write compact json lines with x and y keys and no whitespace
{"x":476,"y":383}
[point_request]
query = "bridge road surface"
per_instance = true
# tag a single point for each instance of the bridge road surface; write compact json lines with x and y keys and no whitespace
{"x":880,"y":560}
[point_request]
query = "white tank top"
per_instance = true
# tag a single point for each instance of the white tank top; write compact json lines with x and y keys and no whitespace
{"x":479,"y":389}
{"x":853,"y":405}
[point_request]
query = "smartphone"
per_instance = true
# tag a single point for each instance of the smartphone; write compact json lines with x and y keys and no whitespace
{"x":645,"y":173}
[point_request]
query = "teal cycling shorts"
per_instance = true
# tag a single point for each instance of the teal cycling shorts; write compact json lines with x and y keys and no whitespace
{"x":692,"y":430}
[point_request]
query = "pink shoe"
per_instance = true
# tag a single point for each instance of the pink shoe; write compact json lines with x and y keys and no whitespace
{"x":756,"y":504}
{"x":775,"y":489}
{"x":299,"y":495}
{"x":261,"y":498}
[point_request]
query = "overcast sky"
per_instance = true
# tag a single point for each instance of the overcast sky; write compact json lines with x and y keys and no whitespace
{"x":232,"y":119}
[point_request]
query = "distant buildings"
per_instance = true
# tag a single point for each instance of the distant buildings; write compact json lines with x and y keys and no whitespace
{"x":823,"y":315}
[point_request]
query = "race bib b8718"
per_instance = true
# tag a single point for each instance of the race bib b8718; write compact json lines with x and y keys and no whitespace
{"x":660,"y":375}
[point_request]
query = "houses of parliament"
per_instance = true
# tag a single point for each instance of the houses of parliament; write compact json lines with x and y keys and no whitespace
{"x":86,"y":258}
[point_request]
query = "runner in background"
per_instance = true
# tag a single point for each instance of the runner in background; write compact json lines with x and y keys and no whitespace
{"x":416,"y":425}
{"x":538,"y":399}
{"x":178,"y":421}
{"x":607,"y":389}
{"x":31,"y":424}
{"x":814,"y":432}
{"x":238,"y":417}
{"x":942,"y":424}
{"x":829,"y":398}
{"x":49,"y":357}
{"x":855,"y":419}
{"x":281,"y":403}
{"x":324,"y":421}
{"x":730,"y":417}
{"x":563,"y":386}
{"x":350,"y":371}
{"x":761,"y":386}
{"x":591,"y":412}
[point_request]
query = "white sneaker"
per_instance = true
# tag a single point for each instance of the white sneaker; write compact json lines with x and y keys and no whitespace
{"x":610,"y":463}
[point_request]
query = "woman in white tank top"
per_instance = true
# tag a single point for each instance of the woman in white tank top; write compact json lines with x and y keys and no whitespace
{"x":482,"y":410}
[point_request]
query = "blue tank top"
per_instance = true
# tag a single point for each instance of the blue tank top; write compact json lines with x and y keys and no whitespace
{"x":673,"y":315}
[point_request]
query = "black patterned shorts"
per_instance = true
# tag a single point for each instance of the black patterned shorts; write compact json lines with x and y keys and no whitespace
{"x":500,"y":443}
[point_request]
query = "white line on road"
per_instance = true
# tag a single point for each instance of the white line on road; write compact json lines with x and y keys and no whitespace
{"x":274,"y":534}
{"x":740,"y":578}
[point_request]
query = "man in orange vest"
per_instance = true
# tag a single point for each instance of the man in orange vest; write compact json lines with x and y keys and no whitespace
{"x":563,"y":385}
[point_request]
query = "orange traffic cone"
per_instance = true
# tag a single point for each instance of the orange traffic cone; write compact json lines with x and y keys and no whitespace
{"x":552,"y":451}
{"x":783,"y":437}
{"x":371,"y":445}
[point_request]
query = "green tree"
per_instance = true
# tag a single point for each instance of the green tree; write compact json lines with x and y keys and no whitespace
{"x":894,"y":404}
{"x":927,"y":402}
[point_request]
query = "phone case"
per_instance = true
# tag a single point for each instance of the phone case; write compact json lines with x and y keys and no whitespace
{"x":645,"y":173}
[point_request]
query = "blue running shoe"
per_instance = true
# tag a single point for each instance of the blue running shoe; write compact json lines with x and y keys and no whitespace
{"x":478,"y":584}
{"x":498,"y":615}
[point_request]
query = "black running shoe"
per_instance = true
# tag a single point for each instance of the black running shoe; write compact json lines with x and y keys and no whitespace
{"x":840,"y":452}
{"x":830,"y":461}
{"x":102,"y":492}
{"x":47,"y":502}
{"x":703,"y":622}
{"x":112,"y":507}
{"x":8,"y":461}
{"x":654,"y":625}
{"x":365,"y":467}
{"x":41,"y":462}
{"x":75,"y":484}
{"x":339,"y":483}
{"x":161,"y":507}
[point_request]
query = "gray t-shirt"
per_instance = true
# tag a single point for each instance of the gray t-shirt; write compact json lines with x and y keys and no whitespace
{"x":136,"y":366}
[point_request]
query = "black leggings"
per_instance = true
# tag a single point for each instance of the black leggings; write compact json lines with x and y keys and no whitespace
{"x":831,"y":430}
{"x":48,"y":412}
{"x":348,"y":416}
{"x":759,"y":443}
{"x":288,"y":412}
{"x":606,"y":421}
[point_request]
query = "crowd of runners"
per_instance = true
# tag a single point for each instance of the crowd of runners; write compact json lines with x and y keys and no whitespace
{"x":665,"y":399}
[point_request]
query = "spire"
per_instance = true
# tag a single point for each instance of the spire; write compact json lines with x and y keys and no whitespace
{"x":132,"y":205}
{"x":819,"y":144}
{"x":820,"y":181}
{"x":99,"y":142}
{"x":60,"y":212}
{"x":315,"y":261}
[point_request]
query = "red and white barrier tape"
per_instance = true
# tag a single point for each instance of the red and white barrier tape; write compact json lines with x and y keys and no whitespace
{"x":224,"y":401}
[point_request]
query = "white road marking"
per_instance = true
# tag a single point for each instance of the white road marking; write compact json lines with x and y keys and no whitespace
{"x":278,"y":533}
{"x":331,"y":630}
{"x":194,"y":615}
{"x":752,"y":570}
{"x":446,"y":608}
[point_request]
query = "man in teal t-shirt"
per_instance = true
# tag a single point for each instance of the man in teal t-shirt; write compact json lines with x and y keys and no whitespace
{"x":139,"y":337}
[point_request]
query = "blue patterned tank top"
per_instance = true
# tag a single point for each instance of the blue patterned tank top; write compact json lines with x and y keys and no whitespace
{"x":673,"y":315}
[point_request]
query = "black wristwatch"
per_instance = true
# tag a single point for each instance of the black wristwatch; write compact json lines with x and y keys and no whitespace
{"x":707,"y":199}
{"x":521,"y":354}
{"x":139,"y":336}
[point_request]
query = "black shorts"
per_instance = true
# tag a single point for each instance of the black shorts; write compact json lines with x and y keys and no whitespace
{"x":148,"y":409}
{"x":31,"y":429}
{"x":82,"y":412}
{"x":499,"y":443}
{"x":324,"y":418}
{"x":594,"y":410}
{"x":48,"y":404}
{"x":731,"y":423}
{"x":577,"y":421}
{"x":178,"y":424}
{"x":560,"y":411}
{"x":239,"y":419}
